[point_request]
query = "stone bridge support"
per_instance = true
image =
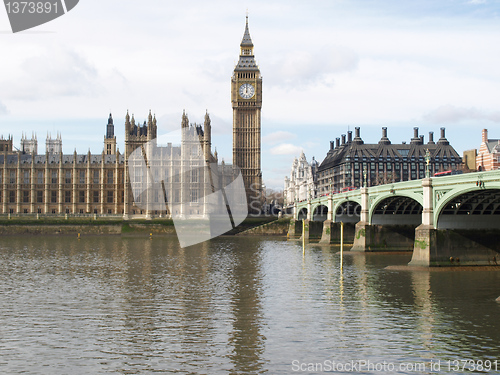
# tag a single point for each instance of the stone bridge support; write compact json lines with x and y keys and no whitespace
{"x":361,"y":240}
{"x":368,"y":237}
{"x":294,"y":228}
{"x":451,"y":247}
{"x":425,"y":246}
{"x":331,"y":233}
{"x":306,"y":229}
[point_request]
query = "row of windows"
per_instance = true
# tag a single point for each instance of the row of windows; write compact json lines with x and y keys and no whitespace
{"x":54,"y":177}
{"x":388,"y":166}
{"x":67,"y":197}
{"x":389,"y":159}
{"x":356,"y":180}
{"x":68,"y":211}
{"x":157,"y":196}
{"x":140,"y":178}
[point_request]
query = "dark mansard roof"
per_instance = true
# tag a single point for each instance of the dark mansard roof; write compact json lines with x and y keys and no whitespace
{"x":384,"y":150}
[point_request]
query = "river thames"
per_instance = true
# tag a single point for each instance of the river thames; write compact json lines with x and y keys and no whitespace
{"x":236,"y":305}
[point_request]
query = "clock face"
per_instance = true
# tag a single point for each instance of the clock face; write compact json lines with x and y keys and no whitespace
{"x":247,"y":91}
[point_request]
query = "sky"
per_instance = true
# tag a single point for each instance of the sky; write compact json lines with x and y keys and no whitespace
{"x":328,"y":66}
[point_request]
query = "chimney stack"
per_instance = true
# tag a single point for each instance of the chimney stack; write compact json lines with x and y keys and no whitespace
{"x":416,"y":139}
{"x":431,"y":138}
{"x":337,"y":142}
{"x":349,"y":136}
{"x":422,"y":139}
{"x":384,"y":140}
{"x":485,"y":136}
{"x":331,"y":145}
{"x":356,"y":132}
{"x":343,"y":139}
{"x":443,"y":140}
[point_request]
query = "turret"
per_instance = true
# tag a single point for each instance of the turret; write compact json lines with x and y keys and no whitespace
{"x":110,"y":138}
{"x":185,"y":120}
{"x":128,"y":125}
{"x":110,"y":128}
{"x":208,"y":128}
{"x":246,"y":43}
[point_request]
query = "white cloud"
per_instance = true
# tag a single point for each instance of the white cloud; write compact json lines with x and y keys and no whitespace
{"x":57,"y":72}
{"x":278,"y":136}
{"x":303,"y":67}
{"x":286,"y":149}
{"x":452,"y":114}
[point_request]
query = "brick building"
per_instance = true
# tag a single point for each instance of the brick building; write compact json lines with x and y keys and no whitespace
{"x":488,"y":156}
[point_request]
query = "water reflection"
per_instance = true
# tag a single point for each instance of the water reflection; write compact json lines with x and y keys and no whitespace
{"x":231,"y":305}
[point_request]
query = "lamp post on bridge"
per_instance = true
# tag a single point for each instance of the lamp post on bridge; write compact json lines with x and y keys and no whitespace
{"x":427,"y":164}
{"x":330,"y":204}
{"x":309,"y":215}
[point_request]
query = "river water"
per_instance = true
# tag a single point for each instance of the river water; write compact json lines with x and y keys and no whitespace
{"x":241,"y":305}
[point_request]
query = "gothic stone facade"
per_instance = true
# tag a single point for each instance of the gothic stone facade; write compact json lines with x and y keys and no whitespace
{"x":302,"y":181}
{"x":246,"y":99}
{"x":55,"y":183}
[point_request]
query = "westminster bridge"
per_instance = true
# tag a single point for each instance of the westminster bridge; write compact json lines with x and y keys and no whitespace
{"x":446,"y":221}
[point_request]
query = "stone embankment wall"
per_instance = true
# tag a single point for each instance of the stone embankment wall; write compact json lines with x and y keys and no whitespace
{"x":104,"y":229}
{"x":127,"y":228}
{"x":274,"y":228}
{"x":59,"y":229}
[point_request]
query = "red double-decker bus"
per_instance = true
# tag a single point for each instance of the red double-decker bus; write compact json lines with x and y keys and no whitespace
{"x":447,"y":173}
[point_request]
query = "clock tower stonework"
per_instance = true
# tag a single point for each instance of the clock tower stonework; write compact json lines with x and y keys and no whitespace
{"x":246,"y":99}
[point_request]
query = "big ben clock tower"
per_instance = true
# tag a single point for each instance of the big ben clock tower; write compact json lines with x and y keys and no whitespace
{"x":246,"y":99}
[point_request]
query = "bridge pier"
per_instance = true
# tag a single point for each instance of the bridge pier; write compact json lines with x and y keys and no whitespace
{"x":309,"y":229}
{"x":425,"y":248}
{"x":455,"y":247}
{"x":369,"y":237}
{"x":294,"y":228}
{"x":331,"y":232}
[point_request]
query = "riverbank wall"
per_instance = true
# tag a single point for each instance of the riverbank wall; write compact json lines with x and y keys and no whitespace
{"x":251,"y":226}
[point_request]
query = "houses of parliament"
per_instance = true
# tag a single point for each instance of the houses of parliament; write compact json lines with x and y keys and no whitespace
{"x":57,"y":183}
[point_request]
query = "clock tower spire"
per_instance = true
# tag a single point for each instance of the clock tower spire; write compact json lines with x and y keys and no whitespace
{"x":246,"y":99}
